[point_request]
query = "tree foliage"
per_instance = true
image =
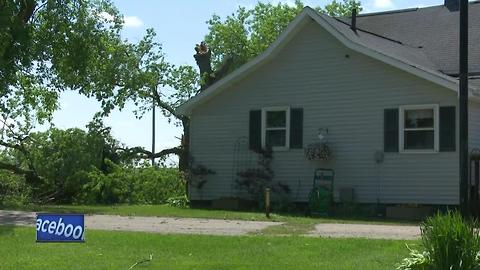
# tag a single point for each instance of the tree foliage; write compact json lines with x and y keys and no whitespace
{"x":80,"y":166}
{"x":13,"y":189}
{"x":135,"y":185}
{"x":248,"y":32}
{"x":47,"y":47}
{"x":151,"y":80}
{"x":342,"y":8}
{"x":62,"y":157}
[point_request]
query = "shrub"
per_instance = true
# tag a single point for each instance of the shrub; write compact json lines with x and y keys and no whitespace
{"x":13,"y":189}
{"x":61,"y":158}
{"x":180,"y":202}
{"x":144,"y":185}
{"x":449,"y":243}
{"x":255,"y":180}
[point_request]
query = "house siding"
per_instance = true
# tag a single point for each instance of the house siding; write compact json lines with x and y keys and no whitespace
{"x":474,"y":125}
{"x":338,"y":89}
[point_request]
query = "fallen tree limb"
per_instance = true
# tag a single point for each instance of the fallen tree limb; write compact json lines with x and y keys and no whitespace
{"x":142,"y":261}
{"x":30,"y":175}
{"x":15,"y":169}
{"x":142,"y":153}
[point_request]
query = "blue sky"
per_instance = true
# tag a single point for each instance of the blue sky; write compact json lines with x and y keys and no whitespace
{"x":179,"y":24}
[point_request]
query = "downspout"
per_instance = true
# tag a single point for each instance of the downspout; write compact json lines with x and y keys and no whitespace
{"x":463,"y":109}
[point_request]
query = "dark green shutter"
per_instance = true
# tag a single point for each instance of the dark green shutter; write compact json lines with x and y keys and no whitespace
{"x":390,"y":130}
{"x":447,"y":129}
{"x":255,"y":130}
{"x":296,"y":128}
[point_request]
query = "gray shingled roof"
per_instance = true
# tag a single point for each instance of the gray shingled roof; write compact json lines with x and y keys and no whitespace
{"x":411,"y":55}
{"x":431,"y":32}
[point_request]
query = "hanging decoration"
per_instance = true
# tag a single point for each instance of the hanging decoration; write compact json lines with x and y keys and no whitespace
{"x":319,"y":150}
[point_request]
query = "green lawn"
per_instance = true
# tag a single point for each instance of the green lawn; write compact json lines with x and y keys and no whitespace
{"x":294,"y":224}
{"x":119,"y":250}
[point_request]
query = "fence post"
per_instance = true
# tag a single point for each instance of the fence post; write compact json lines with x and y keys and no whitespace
{"x":267,"y":202}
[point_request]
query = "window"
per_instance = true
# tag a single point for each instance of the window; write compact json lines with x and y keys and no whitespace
{"x":276,"y":128}
{"x":419,"y":128}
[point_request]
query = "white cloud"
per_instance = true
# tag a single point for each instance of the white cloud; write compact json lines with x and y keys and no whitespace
{"x":129,"y":21}
{"x":132,"y":21}
{"x":383,"y":4}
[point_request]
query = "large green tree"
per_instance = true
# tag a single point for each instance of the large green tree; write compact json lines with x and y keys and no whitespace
{"x":50,"y":46}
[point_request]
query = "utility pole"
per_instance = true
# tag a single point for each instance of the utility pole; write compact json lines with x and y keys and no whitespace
{"x":463,"y":109}
{"x":153,"y":132}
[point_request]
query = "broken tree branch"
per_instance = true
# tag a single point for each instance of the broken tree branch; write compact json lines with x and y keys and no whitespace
{"x":30,"y":175}
{"x":142,"y":261}
{"x":147,"y":154}
{"x":165,"y":106}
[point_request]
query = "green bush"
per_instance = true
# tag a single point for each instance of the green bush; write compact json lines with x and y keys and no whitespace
{"x":144,"y":185}
{"x":13,"y":189}
{"x":61,"y":158}
{"x":77,"y":166}
{"x":449,"y":243}
{"x":179,"y":202}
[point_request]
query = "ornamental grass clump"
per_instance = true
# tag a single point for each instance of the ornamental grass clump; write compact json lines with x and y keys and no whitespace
{"x":449,"y":243}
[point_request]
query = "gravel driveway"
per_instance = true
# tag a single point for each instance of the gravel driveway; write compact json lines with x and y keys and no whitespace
{"x":151,"y":224}
{"x":218,"y":226}
{"x":367,"y":231}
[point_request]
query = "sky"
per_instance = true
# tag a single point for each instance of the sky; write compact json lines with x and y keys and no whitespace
{"x":179,"y":25}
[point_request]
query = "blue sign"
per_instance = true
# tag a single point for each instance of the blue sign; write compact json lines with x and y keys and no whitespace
{"x":60,"y":228}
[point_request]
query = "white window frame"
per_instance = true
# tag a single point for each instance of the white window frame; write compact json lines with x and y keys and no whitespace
{"x":286,"y":109}
{"x":402,"y":128}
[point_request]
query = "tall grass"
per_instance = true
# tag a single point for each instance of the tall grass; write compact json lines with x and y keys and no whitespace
{"x":449,"y":242}
{"x":452,"y":242}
